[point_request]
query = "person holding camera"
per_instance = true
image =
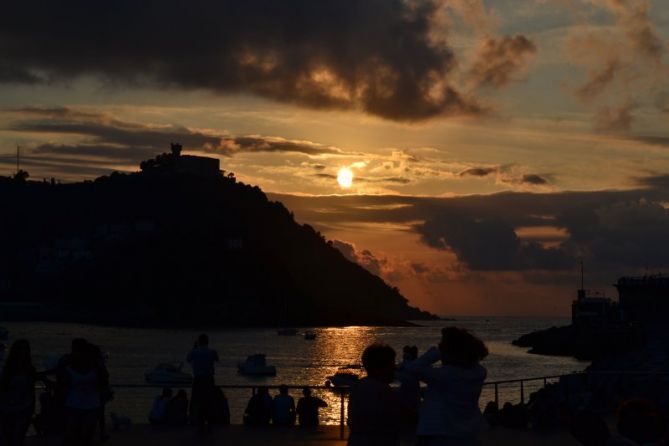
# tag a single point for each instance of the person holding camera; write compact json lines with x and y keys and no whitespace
{"x":450,"y":413}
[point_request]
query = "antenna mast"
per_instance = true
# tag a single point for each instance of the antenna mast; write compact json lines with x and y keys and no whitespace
{"x":18,"y":158}
{"x":582,"y":287}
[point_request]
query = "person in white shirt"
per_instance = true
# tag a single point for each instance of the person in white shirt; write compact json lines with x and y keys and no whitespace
{"x":450,"y":413}
{"x":203,"y":361}
{"x":83,"y":381}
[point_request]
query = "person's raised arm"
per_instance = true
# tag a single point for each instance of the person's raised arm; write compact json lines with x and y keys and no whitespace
{"x":422,"y":366}
{"x":321,"y":403}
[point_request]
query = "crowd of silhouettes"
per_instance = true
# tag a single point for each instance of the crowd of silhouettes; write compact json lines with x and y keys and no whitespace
{"x":73,"y":404}
{"x":281,"y":410}
{"x":446,"y":412}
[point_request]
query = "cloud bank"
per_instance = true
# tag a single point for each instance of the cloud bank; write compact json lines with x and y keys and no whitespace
{"x":383,"y":57}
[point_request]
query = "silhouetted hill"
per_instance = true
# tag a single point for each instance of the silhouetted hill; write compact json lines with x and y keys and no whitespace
{"x":179,"y":243}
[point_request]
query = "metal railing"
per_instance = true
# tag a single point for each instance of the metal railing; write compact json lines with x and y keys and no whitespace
{"x":343,"y":391}
{"x":544,"y":380}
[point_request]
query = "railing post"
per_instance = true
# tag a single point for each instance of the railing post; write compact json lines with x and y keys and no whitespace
{"x":522,"y":392}
{"x":545,"y":382}
{"x":341,"y":416}
{"x":496,"y":395}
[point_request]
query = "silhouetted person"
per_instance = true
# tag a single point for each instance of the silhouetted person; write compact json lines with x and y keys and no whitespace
{"x":374,"y":409}
{"x":83,"y":381}
{"x":220,"y":410}
{"x":589,"y":429}
{"x":159,"y":409}
{"x":202,"y":359}
{"x":259,"y":409}
{"x":491,"y":413}
{"x":641,"y":422}
{"x":513,"y":416}
{"x":409,"y":390}
{"x":176,"y":410}
{"x":106,"y":393}
{"x":307,"y":409}
{"x":450,"y":411}
{"x":283,"y":408}
{"x":17,"y":394}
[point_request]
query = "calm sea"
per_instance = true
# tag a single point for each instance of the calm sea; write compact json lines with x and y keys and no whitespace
{"x":132,"y":351}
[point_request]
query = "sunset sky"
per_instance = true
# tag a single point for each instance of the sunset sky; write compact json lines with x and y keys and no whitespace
{"x":493,"y":144}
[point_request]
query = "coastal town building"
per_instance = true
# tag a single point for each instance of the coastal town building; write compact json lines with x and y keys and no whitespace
{"x":643,"y":299}
{"x":593,"y":309}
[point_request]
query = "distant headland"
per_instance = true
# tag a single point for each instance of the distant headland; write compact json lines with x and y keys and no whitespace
{"x":180,"y":243}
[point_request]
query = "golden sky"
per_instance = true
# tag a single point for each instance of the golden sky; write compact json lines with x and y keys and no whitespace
{"x":493,"y":144}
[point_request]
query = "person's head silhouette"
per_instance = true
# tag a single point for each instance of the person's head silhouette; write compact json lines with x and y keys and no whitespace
{"x":379,"y":362}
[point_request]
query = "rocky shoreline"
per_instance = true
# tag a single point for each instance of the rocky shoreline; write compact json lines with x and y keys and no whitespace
{"x":583,"y":343}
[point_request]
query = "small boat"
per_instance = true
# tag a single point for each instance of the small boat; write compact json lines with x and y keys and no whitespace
{"x":168,"y":373}
{"x":310,"y":335}
{"x":256,"y":365}
{"x":350,"y":367}
{"x":286,"y":331}
{"x":342,"y":379}
{"x":4,"y":334}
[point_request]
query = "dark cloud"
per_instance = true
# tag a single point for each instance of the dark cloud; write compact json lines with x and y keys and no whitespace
{"x":634,"y":18}
{"x":615,"y":119}
{"x":533,"y":179}
{"x":111,"y":154}
{"x":230,"y":145}
{"x":488,"y":244}
{"x":419,"y":267}
{"x":364,"y":258}
{"x":122,"y":142}
{"x":13,"y":75}
{"x":500,"y":59}
{"x":369,"y":180}
{"x":507,"y":177}
{"x":662,"y":102}
{"x":598,"y":80}
{"x":662,"y":141}
{"x":378,"y":56}
{"x":478,"y":171}
{"x":616,"y":232}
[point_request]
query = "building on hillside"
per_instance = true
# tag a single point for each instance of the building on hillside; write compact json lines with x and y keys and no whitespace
{"x":183,"y":164}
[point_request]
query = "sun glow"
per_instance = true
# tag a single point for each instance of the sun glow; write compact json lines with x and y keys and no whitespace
{"x":345,"y":177}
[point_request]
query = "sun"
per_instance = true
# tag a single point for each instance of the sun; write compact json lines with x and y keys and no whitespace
{"x":345,"y":177}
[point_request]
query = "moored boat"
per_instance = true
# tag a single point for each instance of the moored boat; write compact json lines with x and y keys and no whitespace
{"x":168,"y":373}
{"x":342,"y":379}
{"x":256,"y":365}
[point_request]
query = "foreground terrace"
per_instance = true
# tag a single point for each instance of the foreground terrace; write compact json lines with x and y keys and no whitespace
{"x":143,"y":435}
